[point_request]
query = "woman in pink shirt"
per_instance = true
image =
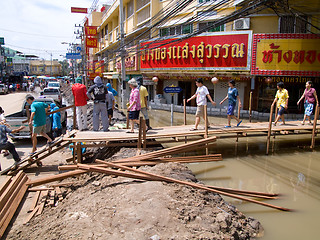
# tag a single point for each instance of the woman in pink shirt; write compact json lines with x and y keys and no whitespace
{"x":310,"y":97}
{"x":134,"y":104}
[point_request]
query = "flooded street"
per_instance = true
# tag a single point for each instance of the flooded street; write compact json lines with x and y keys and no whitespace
{"x":291,"y":170}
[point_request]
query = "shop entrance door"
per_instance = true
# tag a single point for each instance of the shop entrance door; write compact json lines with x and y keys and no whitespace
{"x":185,"y":93}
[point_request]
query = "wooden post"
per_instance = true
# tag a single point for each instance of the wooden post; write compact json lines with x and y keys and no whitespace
{"x":79,"y":152}
{"x":250,"y":106}
{"x":140,"y":133}
{"x":144,"y":133}
{"x":206,"y":126}
{"x":184,"y":111}
{"x":238,"y":110}
{"x":269,"y":128}
{"x":314,"y":129}
{"x":127,"y":127}
{"x":74,"y":117}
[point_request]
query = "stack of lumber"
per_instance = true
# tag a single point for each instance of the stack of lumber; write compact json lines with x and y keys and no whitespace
{"x":43,"y":197}
{"x":12,"y":192}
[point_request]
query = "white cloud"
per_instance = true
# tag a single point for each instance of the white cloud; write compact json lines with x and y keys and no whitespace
{"x":40,"y":19}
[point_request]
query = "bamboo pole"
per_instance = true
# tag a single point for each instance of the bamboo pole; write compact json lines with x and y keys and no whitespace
{"x":74,"y":117}
{"x":79,"y":152}
{"x":144,"y":133}
{"x":61,"y":109}
{"x":184,"y":111}
{"x":269,"y":128}
{"x":314,"y":128}
{"x":156,"y":177}
{"x":127,"y":122}
{"x":140,"y":133}
{"x":250,"y":106}
{"x":238,"y":111}
{"x":206,"y":126}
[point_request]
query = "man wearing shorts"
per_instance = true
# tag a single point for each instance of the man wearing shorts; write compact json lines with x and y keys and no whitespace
{"x":110,"y":105}
{"x":144,"y":102}
{"x":232,"y":97}
{"x":201,"y":97}
{"x":38,"y":119}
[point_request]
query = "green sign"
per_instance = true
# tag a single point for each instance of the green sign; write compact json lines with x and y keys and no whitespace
{"x":1,"y":40}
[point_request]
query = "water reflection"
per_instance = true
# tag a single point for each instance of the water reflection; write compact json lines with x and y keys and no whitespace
{"x":291,"y":170}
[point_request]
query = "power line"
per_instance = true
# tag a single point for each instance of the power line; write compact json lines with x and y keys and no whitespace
{"x":32,"y":34}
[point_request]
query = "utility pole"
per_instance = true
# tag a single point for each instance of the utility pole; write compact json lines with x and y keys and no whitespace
{"x":123,"y":53}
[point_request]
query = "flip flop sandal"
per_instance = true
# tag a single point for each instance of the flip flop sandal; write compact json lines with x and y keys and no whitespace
{"x":227,"y":126}
{"x":193,"y":129}
{"x":129,"y":132}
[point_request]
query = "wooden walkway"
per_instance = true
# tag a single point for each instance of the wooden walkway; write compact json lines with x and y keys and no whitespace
{"x":181,"y":133}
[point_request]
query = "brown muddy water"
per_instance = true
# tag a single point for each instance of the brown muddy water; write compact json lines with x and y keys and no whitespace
{"x":291,"y":170}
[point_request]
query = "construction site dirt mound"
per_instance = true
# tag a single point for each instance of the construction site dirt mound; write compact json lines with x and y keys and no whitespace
{"x":105,"y":207}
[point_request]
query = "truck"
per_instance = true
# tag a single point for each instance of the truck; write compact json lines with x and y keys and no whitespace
{"x":3,"y":88}
{"x":53,"y":93}
{"x":20,"y":118}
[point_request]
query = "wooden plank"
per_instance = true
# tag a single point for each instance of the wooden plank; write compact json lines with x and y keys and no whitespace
{"x":314,"y":131}
{"x":5,"y":184}
{"x":61,"y":184}
{"x":191,"y":184}
{"x":11,"y":187}
{"x":35,"y":201}
{"x":52,"y":195}
{"x":12,"y":196}
{"x":140,"y":133}
{"x":144,"y":133}
{"x":250,"y":106}
{"x":269,"y":128}
{"x":74,"y":117}
{"x":31,"y":215}
{"x":184,"y":111}
{"x":44,"y":196}
{"x":7,"y":219}
{"x":60,"y":109}
{"x":44,"y":180}
{"x":39,"y":189}
{"x":79,"y":152}
{"x":59,"y":193}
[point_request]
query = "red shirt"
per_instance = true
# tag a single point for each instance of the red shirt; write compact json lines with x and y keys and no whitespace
{"x":79,"y":92}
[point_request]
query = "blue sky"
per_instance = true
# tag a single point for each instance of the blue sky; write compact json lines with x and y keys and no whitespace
{"x":39,"y":26}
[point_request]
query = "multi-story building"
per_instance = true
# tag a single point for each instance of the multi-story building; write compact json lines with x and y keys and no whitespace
{"x":155,"y":45}
{"x":45,"y":67}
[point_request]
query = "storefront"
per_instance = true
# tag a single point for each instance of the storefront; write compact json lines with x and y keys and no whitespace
{"x":178,"y":62}
{"x":292,"y":59}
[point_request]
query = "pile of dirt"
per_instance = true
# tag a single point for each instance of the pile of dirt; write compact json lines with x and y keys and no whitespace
{"x":106,"y":207}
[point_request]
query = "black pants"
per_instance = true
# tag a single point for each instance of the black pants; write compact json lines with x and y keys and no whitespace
{"x":56,"y":133}
{"x":12,"y":149}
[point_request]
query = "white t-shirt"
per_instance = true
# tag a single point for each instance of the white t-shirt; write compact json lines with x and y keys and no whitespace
{"x":202,"y":93}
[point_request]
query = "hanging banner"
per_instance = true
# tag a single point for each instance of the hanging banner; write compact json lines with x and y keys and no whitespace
{"x":91,"y":42}
{"x":90,"y":30}
{"x":210,"y":51}
{"x":79,"y":10}
{"x":286,"y":55}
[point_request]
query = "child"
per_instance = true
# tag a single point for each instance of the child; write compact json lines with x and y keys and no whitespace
{"x":281,"y":98}
{"x":232,"y":97}
{"x":56,"y":121}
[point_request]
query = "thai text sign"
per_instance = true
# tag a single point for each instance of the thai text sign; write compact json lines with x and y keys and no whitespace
{"x":91,"y":42}
{"x":216,"y":51}
{"x":90,"y":30}
{"x":79,"y":10}
{"x":99,"y":67}
{"x":286,"y":54}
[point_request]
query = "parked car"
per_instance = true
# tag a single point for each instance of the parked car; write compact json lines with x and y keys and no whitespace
{"x":3,"y":88}
{"x":18,"y":119}
{"x":54,"y":85}
{"x":53,"y":93}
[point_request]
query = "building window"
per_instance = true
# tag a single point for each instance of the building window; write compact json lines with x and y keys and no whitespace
{"x":188,"y":28}
{"x":206,"y":25}
{"x":143,"y":15}
{"x":142,"y":3}
{"x":130,"y":8}
{"x":293,"y":24}
{"x":164,"y":32}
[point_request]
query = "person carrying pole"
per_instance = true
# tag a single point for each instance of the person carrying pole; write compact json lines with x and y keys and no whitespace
{"x":310,"y":98}
{"x":144,"y":102}
{"x":281,"y":98}
{"x":56,"y":121}
{"x":201,"y":97}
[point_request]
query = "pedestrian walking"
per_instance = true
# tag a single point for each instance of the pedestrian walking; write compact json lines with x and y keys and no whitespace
{"x":232,"y":97}
{"x":99,"y":92}
{"x":3,"y":122}
{"x":110,"y":89}
{"x":144,"y":102}
{"x":281,"y":98}
{"x":80,"y":98}
{"x":310,"y":98}
{"x":201,"y":98}
{"x":110,"y":106}
{"x":56,"y":121}
{"x":38,"y":119}
{"x":134,"y":104}
{"x":6,"y":145}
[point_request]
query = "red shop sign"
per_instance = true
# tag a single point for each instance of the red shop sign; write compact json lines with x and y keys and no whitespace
{"x":214,"y":51}
{"x":91,"y":42}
